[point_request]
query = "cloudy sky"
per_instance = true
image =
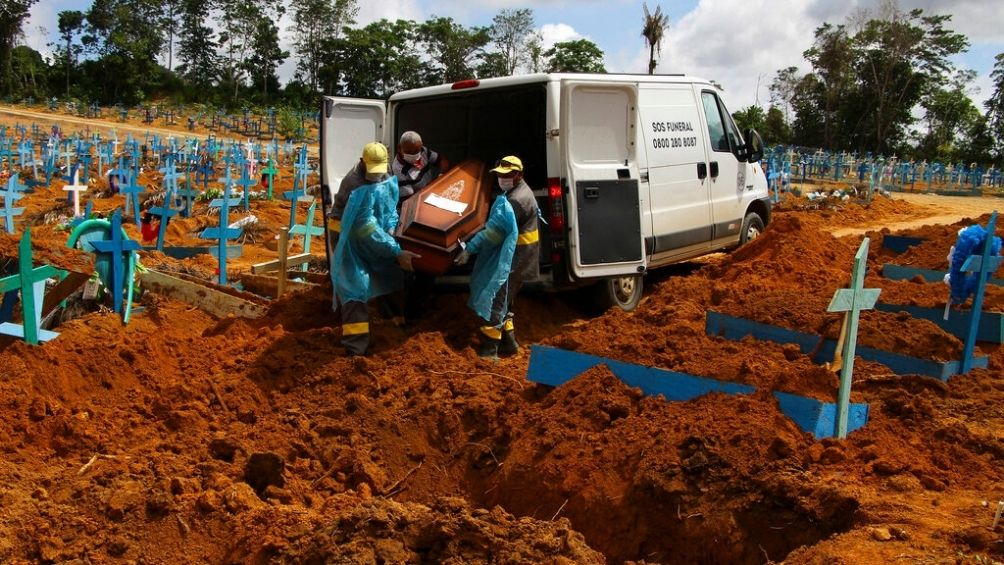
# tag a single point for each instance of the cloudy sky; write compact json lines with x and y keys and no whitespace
{"x":739,"y":43}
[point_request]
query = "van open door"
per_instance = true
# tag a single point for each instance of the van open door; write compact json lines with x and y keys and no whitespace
{"x":604,"y":207}
{"x":346,"y":125}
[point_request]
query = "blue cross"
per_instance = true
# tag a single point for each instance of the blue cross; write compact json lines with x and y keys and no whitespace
{"x":132,"y":191}
{"x":984,"y":264}
{"x":119,"y":247}
{"x":307,"y":230}
{"x":11,"y":194}
{"x":223,"y":232}
{"x":852,"y":301}
{"x":246,"y":182}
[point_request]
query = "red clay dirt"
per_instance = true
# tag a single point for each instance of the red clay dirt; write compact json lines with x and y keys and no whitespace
{"x":186,"y":438}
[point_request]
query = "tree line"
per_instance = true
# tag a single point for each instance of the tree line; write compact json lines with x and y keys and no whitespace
{"x":228,"y":52}
{"x":885,"y":83}
{"x":882,"y":82}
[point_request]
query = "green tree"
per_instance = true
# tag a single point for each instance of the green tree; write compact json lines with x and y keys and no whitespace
{"x":950,"y":115}
{"x":246,"y":38}
{"x":380,"y":59}
{"x":831,"y":58}
{"x":653,"y":29}
{"x":775,"y":128}
{"x":995,"y":110}
{"x":509,"y":32}
{"x":124,"y":35}
{"x":576,"y":56}
{"x":453,"y":48}
{"x":197,"y":46}
{"x":28,"y":72}
{"x":172,"y":9}
{"x":751,"y":117}
{"x":317,"y":27}
{"x":71,"y":22}
{"x":266,"y":56}
{"x":783,"y":89}
{"x":13,"y":13}
{"x":900,"y":56}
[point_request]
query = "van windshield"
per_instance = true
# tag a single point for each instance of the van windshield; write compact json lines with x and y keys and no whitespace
{"x":482,"y":124}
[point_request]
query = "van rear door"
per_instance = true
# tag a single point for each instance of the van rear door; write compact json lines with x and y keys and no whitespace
{"x":598,"y":128}
{"x":346,"y":125}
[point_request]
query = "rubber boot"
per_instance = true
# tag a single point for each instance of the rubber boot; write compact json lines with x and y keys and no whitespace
{"x":509,"y":345}
{"x":490,"y":338}
{"x":489,"y":348}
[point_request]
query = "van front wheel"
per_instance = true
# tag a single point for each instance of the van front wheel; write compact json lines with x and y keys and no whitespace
{"x":622,"y":292}
{"x":752,"y":228}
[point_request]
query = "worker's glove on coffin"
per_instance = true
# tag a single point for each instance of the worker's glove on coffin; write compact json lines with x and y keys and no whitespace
{"x":463,"y":258}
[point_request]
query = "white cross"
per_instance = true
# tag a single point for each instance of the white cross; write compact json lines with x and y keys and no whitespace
{"x":76,"y":188}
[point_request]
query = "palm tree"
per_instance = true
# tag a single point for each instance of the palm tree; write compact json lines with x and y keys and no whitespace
{"x":654,"y":28}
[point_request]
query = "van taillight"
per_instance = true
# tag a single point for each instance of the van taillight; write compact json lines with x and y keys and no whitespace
{"x":461,"y":84}
{"x":556,"y":221}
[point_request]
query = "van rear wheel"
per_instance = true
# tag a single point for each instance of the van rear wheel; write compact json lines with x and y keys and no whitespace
{"x":622,"y":292}
{"x":752,"y":228}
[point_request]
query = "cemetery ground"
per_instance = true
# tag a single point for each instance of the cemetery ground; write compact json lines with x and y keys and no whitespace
{"x":188,"y":437}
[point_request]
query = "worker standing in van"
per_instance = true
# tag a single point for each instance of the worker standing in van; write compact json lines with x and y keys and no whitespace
{"x":508,"y":251}
{"x":367,"y":261}
{"x":415,"y":165}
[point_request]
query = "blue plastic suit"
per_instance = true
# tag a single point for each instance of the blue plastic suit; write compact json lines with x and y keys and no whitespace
{"x":494,"y":247}
{"x":365,"y":256}
{"x":970,"y":242}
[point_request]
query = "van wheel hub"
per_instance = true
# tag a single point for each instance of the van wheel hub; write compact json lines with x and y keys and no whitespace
{"x":624,"y":288}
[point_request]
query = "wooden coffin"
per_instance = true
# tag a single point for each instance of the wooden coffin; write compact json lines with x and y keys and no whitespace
{"x":446,"y":211}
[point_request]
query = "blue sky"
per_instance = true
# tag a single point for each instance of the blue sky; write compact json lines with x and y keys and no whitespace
{"x":739,"y":43}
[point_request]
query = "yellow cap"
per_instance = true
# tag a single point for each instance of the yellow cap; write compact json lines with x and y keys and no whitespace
{"x":506,"y":165}
{"x":375,"y":158}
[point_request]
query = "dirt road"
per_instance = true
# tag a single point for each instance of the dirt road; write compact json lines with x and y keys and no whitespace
{"x":943,"y":210}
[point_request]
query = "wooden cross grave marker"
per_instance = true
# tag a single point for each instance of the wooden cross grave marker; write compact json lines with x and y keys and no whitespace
{"x":31,"y":282}
{"x":76,"y":187}
{"x":13,"y":192}
{"x":984,"y":264}
{"x":852,"y":301}
{"x":307,"y":230}
{"x":223,"y":232}
{"x":120,"y":249}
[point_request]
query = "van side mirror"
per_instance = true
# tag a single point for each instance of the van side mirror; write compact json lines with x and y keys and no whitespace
{"x":754,"y":146}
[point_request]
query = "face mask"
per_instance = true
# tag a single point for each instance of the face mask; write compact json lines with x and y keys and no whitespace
{"x":506,"y":184}
{"x":411,"y":157}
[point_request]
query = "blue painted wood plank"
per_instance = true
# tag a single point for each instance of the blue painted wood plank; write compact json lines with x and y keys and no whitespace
{"x":735,"y":329}
{"x":554,"y":367}
{"x":17,"y":330}
{"x":991,"y":328}
{"x":817,"y":417}
{"x":904,"y":273}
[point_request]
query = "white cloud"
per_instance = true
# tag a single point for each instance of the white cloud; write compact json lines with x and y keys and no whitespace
{"x":555,"y":33}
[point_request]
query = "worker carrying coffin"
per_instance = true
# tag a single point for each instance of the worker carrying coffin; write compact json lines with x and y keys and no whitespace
{"x":507,"y":252}
{"x":367,"y":262}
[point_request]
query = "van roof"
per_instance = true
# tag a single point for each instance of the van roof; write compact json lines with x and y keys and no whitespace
{"x":541,"y":78}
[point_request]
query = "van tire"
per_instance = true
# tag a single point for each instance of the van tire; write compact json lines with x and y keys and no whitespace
{"x":752,"y":228}
{"x":623,"y":292}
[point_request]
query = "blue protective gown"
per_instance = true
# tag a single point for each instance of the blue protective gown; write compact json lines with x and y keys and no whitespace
{"x":365,"y":256}
{"x":494,"y":246}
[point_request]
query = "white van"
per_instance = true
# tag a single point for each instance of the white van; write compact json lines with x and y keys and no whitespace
{"x":632,"y":172}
